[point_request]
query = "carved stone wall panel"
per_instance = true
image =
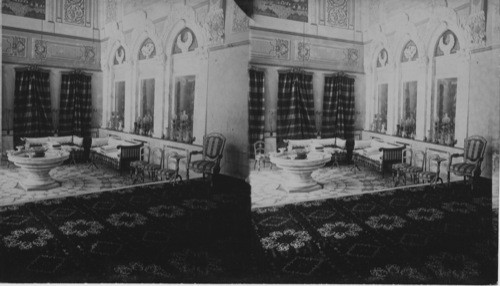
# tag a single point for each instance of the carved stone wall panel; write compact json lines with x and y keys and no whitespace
{"x":75,"y":12}
{"x":340,"y":14}
{"x":270,"y":48}
{"x":240,"y":21}
{"x":14,"y":46}
{"x":111,"y":6}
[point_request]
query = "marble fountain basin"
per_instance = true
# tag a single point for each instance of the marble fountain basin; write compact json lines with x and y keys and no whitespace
{"x":35,"y":169}
{"x":297,"y":171}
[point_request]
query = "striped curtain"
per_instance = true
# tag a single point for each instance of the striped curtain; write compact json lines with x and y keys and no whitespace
{"x":295,"y":106}
{"x":32,"y":105}
{"x":338,"y":107}
{"x":256,"y":108}
{"x":75,"y":105}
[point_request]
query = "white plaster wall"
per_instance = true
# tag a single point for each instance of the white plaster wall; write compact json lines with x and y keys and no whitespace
{"x":227,"y":105}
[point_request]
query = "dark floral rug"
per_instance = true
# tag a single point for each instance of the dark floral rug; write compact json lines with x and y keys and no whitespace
{"x":412,"y":236}
{"x":189,"y":234}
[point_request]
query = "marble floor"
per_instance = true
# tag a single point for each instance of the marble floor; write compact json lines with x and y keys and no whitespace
{"x":75,"y":180}
{"x":339,"y":181}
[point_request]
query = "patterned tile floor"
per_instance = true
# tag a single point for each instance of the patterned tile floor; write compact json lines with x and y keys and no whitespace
{"x":338,"y":182}
{"x":75,"y":180}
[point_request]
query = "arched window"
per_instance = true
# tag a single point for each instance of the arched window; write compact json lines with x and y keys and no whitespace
{"x":408,"y":114}
{"x":118,"y":91}
{"x":381,"y":93}
{"x":443,"y":104}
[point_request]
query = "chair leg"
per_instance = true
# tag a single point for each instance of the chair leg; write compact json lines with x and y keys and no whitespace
{"x":254,"y":164}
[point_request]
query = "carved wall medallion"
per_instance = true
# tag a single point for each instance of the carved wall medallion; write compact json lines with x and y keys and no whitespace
{"x":303,"y":51}
{"x":410,"y":52}
{"x":15,"y":46}
{"x":88,"y":54}
{"x":279,"y":48}
{"x":40,"y":49}
{"x":74,"y":12}
{"x":337,"y":13}
{"x":447,"y":44}
{"x":352,"y":56}
{"x":240,"y":20}
{"x":383,"y":58}
{"x":147,"y":50}
{"x":111,"y":7}
{"x":186,"y":42}
{"x":119,"y":56}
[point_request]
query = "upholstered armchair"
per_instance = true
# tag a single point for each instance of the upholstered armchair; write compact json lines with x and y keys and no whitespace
{"x":213,"y":146}
{"x":470,"y":168}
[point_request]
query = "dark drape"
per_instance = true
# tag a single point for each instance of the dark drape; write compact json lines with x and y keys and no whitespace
{"x":295,"y":106}
{"x":75,"y":112}
{"x":32,"y":117}
{"x":338,"y":107}
{"x":256,"y":107}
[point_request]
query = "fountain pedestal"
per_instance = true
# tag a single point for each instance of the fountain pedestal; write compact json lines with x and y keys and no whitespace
{"x":297,"y":172}
{"x":35,"y":170}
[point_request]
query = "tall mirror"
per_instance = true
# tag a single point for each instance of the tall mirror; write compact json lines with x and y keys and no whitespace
{"x":183,"y":109}
{"x":380,"y":122}
{"x":118,"y":110}
{"x":443,"y":111}
{"x":408,"y":114}
{"x":146,"y":111}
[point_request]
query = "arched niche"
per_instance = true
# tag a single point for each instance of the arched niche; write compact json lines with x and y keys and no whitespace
{"x":448,"y":93}
{"x":411,"y":81}
{"x":147,"y":98}
{"x":186,"y":78}
{"x":117,"y":86}
{"x":380,"y":89}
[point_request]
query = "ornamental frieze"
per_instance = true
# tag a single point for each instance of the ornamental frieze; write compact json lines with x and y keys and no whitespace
{"x":74,"y":12}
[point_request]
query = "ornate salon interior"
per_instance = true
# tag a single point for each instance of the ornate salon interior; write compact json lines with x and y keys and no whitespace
{"x":264,"y":141}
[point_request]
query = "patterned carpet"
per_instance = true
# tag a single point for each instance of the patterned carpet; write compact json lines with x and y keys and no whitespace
{"x":75,"y":179}
{"x":189,"y":233}
{"x":419,"y":235}
{"x":338,"y":182}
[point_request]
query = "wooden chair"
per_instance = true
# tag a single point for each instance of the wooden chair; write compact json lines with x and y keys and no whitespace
{"x":137,"y":166}
{"x":417,"y":166}
{"x":398,"y":169}
{"x":434,"y":158}
{"x":155,"y":162}
{"x":166,"y":173}
{"x":261,"y":156}
{"x":213,"y":147}
{"x":473,"y":155}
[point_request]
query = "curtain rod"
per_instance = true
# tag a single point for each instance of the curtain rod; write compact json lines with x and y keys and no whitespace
{"x":295,"y":70}
{"x":77,"y":71}
{"x":340,"y":74}
{"x":31,"y":68}
{"x":250,"y":67}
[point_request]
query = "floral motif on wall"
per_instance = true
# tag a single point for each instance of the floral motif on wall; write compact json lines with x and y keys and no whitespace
{"x":279,"y":48}
{"x":410,"y":52}
{"x":16,"y":46}
{"x":40,"y":49}
{"x":352,"y":56}
{"x":74,"y":12}
{"x":383,"y":58}
{"x":119,"y":56}
{"x":148,"y":50}
{"x":88,"y":54}
{"x":337,"y":13}
{"x":111,"y":7}
{"x":304,"y":51}
{"x":215,"y":25}
{"x":447,"y":44}
{"x":240,"y":20}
